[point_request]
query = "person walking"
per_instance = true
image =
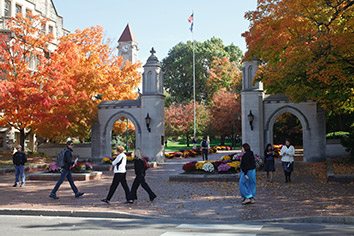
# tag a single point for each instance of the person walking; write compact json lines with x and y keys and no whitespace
{"x":19,"y":159}
{"x":66,"y":172}
{"x":269,"y":162}
{"x":287,"y":153}
{"x":204,"y":144}
{"x":194,"y":141}
{"x":247,"y":182}
{"x":139,"y":167}
{"x":119,"y":176}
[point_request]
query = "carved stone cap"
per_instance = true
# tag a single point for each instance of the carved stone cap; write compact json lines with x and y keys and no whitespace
{"x":152,"y":60}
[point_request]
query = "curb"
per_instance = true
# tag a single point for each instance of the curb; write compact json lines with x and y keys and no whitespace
{"x":204,"y":177}
{"x":74,"y":213}
{"x":12,"y":169}
{"x":346,"y":220}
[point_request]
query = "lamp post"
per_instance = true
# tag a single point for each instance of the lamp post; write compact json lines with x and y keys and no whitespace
{"x":127,"y":135}
{"x":234,"y":131}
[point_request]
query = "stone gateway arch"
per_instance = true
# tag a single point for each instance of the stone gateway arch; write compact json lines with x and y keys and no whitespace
{"x":150,"y":104}
{"x":267,"y":108}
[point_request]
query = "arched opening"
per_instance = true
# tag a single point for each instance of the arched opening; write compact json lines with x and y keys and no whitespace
{"x":123,"y":134}
{"x":288,"y":126}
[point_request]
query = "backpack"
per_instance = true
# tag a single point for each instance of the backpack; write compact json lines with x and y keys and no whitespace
{"x":204,"y":143}
{"x":59,"y":160}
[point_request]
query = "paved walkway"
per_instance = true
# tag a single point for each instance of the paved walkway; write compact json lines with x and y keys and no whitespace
{"x":305,"y":196}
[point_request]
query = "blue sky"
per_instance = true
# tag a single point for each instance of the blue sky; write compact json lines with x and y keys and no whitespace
{"x":160,"y":23}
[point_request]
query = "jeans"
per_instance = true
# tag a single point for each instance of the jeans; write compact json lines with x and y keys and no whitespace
{"x":248,"y":186}
{"x":119,"y":178}
{"x":65,"y":173}
{"x":205,"y":154}
{"x":20,"y":171}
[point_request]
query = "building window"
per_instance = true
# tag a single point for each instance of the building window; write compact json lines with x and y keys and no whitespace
{"x":28,"y":12}
{"x":51,"y":29}
{"x":18,"y":9}
{"x":7,"y":8}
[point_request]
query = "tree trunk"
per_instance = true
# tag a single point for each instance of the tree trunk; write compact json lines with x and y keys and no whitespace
{"x":222,"y":141}
{"x":187,"y":140}
{"x":22,"y":138}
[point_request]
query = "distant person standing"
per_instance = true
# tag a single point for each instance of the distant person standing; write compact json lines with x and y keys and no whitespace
{"x":139,"y":168}
{"x":120,"y":173}
{"x":66,"y":172}
{"x":204,"y":144}
{"x":194,"y":141}
{"x":287,"y":153}
{"x":269,"y":161}
{"x":19,"y":159}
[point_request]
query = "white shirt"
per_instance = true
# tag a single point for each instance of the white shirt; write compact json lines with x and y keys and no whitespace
{"x":287,"y":153}
{"x":121,"y":168}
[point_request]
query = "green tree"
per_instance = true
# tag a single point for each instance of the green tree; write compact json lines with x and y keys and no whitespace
{"x":178,"y":68}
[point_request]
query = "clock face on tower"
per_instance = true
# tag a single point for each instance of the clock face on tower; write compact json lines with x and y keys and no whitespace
{"x":125,"y":48}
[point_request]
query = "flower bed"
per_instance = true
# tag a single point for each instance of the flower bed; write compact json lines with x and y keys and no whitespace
{"x":80,"y":167}
{"x":193,"y":152}
{"x":130,"y":158}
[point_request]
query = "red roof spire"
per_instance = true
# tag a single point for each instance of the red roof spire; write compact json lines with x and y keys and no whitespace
{"x":127,"y":35}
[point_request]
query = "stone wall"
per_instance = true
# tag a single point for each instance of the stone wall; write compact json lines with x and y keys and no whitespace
{"x":334,"y":149}
{"x":81,"y":150}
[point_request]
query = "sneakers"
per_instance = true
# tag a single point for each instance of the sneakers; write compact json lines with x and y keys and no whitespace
{"x":105,"y":201}
{"x":79,"y":194}
{"x":129,"y":202}
{"x":54,"y":196}
{"x":252,"y":201}
{"x":15,"y":185}
{"x":246,"y":201}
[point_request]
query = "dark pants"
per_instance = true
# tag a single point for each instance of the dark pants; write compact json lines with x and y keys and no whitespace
{"x":139,"y":179}
{"x":205,"y":154}
{"x":118,"y":178}
{"x":65,"y":173}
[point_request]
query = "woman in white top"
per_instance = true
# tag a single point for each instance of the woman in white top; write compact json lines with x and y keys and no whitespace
{"x":287,"y":153}
{"x":119,"y":176}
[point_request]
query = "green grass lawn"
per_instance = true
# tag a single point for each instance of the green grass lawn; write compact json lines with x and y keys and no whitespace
{"x":173,"y":146}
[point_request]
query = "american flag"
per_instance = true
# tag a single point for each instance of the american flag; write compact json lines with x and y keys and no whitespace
{"x":190,"y":18}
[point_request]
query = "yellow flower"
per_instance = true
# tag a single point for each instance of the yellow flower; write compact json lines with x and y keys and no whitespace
{"x":130,"y":158}
{"x":106,"y":159}
{"x":226,"y":158}
{"x":234,"y":164}
{"x":199,"y":165}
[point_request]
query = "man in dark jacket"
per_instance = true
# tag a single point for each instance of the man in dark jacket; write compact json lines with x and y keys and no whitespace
{"x":19,"y":159}
{"x":66,"y":172}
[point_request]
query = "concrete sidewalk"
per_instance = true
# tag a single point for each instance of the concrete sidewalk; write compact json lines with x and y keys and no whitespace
{"x":304,"y":198}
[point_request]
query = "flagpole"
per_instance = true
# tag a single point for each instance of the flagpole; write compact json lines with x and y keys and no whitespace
{"x":194,"y":79}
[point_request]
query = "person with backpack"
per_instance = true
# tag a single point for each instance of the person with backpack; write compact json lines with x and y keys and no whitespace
{"x":120,"y":173}
{"x":64,"y":160}
{"x":19,"y":159}
{"x":204,"y":144}
{"x":140,"y":166}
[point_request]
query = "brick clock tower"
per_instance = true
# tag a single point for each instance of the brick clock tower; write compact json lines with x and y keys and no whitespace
{"x":128,"y":46}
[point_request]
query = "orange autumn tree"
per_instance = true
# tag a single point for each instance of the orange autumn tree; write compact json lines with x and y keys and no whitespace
{"x":24,"y":90}
{"x":224,"y":108}
{"x":89,"y":68}
{"x":307,"y":49}
{"x":224,"y":74}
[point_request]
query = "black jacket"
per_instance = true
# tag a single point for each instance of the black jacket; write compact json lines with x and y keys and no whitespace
{"x":68,"y":159}
{"x":248,"y":162}
{"x":19,"y":158}
{"x":139,"y":167}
